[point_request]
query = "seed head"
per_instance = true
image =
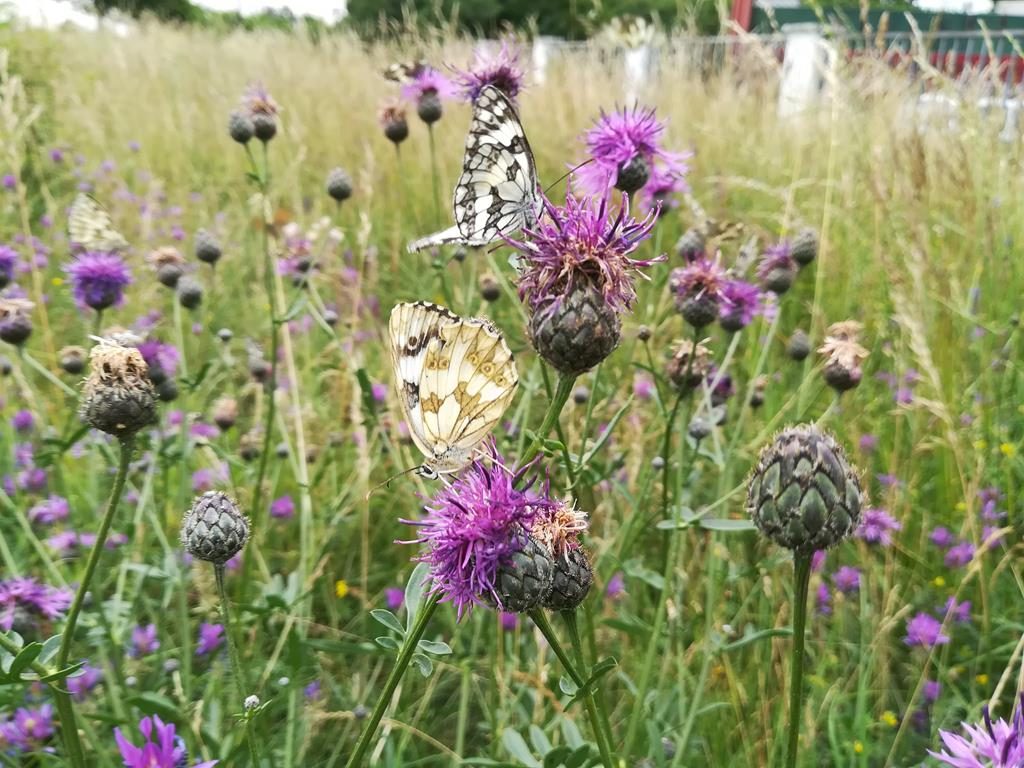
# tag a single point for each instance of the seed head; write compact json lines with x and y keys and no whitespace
{"x":225,"y":412}
{"x":843,"y":356}
{"x":15,"y":322}
{"x":804,"y":248}
{"x":339,"y":185}
{"x":214,"y":529}
{"x":190,"y":292}
{"x":117,"y":397}
{"x":72,"y":360}
{"x":799,"y":345}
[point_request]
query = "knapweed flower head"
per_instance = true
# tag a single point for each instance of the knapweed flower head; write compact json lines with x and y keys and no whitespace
{"x":24,"y":598}
{"x":118,"y":396}
{"x":777,"y":269}
{"x":257,"y":101}
{"x":427,"y":81}
{"x":500,"y":69}
{"x":210,"y":638}
{"x":697,"y":289}
{"x":473,"y":528}
{"x":162,"y":748}
{"x":926,"y":631}
{"x":8,"y":263}
{"x":987,"y":744}
{"x":98,"y":279}
{"x":626,"y":153}
{"x":27,"y":729}
{"x":15,"y":320}
{"x":559,"y":527}
{"x":843,"y":356}
{"x":739,"y":303}
{"x":877,"y":526}
{"x":394,"y":122}
{"x":664,"y":186}
{"x":584,"y":243}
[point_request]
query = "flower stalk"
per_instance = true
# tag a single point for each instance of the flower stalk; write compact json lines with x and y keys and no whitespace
{"x":802,"y":578}
{"x":236,"y":663}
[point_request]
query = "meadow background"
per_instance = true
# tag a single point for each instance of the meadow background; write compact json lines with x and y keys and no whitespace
{"x":919,"y":224}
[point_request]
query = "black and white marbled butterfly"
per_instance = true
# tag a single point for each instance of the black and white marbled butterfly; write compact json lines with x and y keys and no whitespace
{"x":90,"y":227}
{"x":498,"y":192}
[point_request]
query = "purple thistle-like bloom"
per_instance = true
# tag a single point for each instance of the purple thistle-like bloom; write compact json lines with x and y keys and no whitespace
{"x":925,"y":630}
{"x":508,"y":620}
{"x":282,"y":508}
{"x":10,"y":181}
{"x":699,"y":277}
{"x":257,"y":101}
{"x":818,"y":560}
{"x":144,"y":641}
{"x":394,"y":597}
{"x":961,"y":612}
{"x":941,"y":537}
{"x":166,"y":751}
{"x":868,"y":443}
{"x":23,"y":421}
{"x":959,"y":555}
{"x":616,"y":586}
{"x":49,"y":510}
{"x":33,"y":598}
{"x":876,"y":527}
{"x":739,"y":302}
{"x":80,"y":685}
{"x":8,"y":264}
{"x":211,"y":636}
{"x":473,"y":527}
{"x":159,"y":355}
{"x":847,"y":580}
{"x":930,"y":691}
{"x":500,"y":69}
{"x":98,"y":279}
{"x":582,"y":243}
{"x":27,"y":729}
{"x":664,"y":185}
{"x":426,"y":81}
{"x":776,"y":257}
{"x":987,"y":744}
{"x":823,"y":600}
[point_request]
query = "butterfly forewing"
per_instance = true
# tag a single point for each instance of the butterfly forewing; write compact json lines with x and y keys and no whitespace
{"x":90,"y":227}
{"x":455,"y":377}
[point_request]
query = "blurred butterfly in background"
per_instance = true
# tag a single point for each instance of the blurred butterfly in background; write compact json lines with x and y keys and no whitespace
{"x":404,"y":71}
{"x":90,"y":227}
{"x":455,"y":377}
{"x":498,"y":192}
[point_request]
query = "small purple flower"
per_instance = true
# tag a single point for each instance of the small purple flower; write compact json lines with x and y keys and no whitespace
{"x":159,"y":355}
{"x":167,"y":751}
{"x":49,"y":511}
{"x":583,"y":243}
{"x":941,"y":537}
{"x":823,"y":600}
{"x":777,"y":268}
{"x":282,"y":508}
{"x":25,"y":594}
{"x":926,"y":631}
{"x":930,"y":691}
{"x":700,"y":280}
{"x":379,"y":392}
{"x":961,"y":612}
{"x":211,"y":636}
{"x":81,"y":684}
{"x":740,"y":302}
{"x":616,"y":586}
{"x":428,"y":81}
{"x":57,"y":155}
{"x":987,"y":744}
{"x":28,"y":729}
{"x":473,"y":526}
{"x":257,"y":101}
{"x":10,"y":181}
{"x":959,"y":555}
{"x":312,"y":691}
{"x":508,"y":620}
{"x":663,"y":187}
{"x":868,"y":443}
{"x":500,"y":69}
{"x":643,"y":387}
{"x":8,"y":264}
{"x":144,"y":641}
{"x":876,"y":527}
{"x":990,"y":498}
{"x":991,"y":536}
{"x":23,"y":422}
{"x":394,"y":597}
{"x":888,"y":481}
{"x":818,"y":560}
{"x":98,"y":279}
{"x":847,"y":580}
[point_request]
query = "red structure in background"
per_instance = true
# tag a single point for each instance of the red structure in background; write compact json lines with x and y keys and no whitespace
{"x":742,"y":13}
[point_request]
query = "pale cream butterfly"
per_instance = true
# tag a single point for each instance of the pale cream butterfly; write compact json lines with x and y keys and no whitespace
{"x":455,"y":377}
{"x":90,"y":227}
{"x":498,"y":192}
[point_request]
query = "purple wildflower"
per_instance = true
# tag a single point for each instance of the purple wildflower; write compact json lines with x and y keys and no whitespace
{"x":508,"y":620}
{"x":987,"y":744}
{"x":991,"y":536}
{"x":616,"y":586}
{"x":961,"y":612}
{"x":50,"y":510}
{"x":740,"y":301}
{"x":663,"y":187}
{"x":847,"y":580}
{"x":818,"y":560}
{"x":941,"y":537}
{"x":472,"y":528}
{"x":23,"y":421}
{"x":10,"y":181}
{"x":428,"y":81}
{"x":144,"y":641}
{"x":28,"y":596}
{"x":643,"y":387}
{"x":257,"y":101}
{"x":823,"y":600}
{"x":282,"y":508}
{"x":959,"y":555}
{"x":161,"y":356}
{"x":394,"y":597}
{"x":990,"y":498}
{"x":930,"y":691}
{"x":8,"y":264}
{"x":379,"y":392}
{"x":583,"y":243}
{"x":925,"y":630}
{"x":211,"y":636}
{"x":868,"y":443}
{"x":500,"y":69}
{"x":27,"y":729}
{"x":777,"y":268}
{"x":81,"y":684}
{"x":876,"y":527}
{"x":98,"y":279}
{"x":167,"y":751}
{"x":698,"y":283}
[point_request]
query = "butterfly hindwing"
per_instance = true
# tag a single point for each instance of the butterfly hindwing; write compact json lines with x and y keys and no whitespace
{"x":90,"y":227}
{"x":498,"y":191}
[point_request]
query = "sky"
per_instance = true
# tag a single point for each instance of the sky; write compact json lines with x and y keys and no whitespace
{"x":55,"y":12}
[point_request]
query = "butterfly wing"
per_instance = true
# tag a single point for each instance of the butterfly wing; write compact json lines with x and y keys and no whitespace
{"x":90,"y":227}
{"x":412,"y":327}
{"x":498,"y":191}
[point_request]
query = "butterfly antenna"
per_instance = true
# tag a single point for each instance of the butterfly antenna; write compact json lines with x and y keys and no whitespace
{"x":387,"y":483}
{"x":567,"y":174}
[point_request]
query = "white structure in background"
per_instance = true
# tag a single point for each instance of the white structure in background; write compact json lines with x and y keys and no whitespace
{"x":637,"y":65}
{"x":541,"y":57}
{"x":51,"y":14}
{"x":807,"y":61}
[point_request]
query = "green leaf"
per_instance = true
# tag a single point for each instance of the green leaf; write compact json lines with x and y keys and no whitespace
{"x":156,"y":704}
{"x":579,"y":757}
{"x":423,"y":664}
{"x":556,"y":757}
{"x":415,"y":589}
{"x":50,"y":647}
{"x":515,"y":745}
{"x":638,"y":570}
{"x":386,"y":641}
{"x":753,"y":637}
{"x":567,"y":686}
{"x":539,"y":740}
{"x":62,"y":674}
{"x":24,"y":659}
{"x":435,"y":647}
{"x":572,"y":734}
{"x":726,"y":524}
{"x":388,"y":619}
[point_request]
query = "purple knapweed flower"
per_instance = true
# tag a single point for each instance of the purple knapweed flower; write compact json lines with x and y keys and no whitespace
{"x":257,"y":101}
{"x":988,"y":744}
{"x":582,"y":243}
{"x":664,"y":186}
{"x":98,"y":279}
{"x":500,"y":69}
{"x":25,"y":594}
{"x":868,"y":443}
{"x":473,"y":527}
{"x":167,"y":750}
{"x":847,"y":580}
{"x":823,"y":600}
{"x":28,"y":729}
{"x":876,"y":527}
{"x":10,"y":181}
{"x":961,"y":612}
{"x":643,"y":387}
{"x":930,"y":691}
{"x":22,"y":422}
{"x":777,"y":268}
{"x":616,"y":586}
{"x":282,"y":508}
{"x":508,"y":620}
{"x":394,"y":597}
{"x":8,"y":264}
{"x":379,"y":392}
{"x":959,"y":555}
{"x":50,"y":510}
{"x":144,"y":641}
{"x":211,"y":636}
{"x":941,"y":537}
{"x":427,"y":81}
{"x":699,"y":283}
{"x":82,"y":683}
{"x":161,"y":356}
{"x":926,"y":631}
{"x":739,"y":303}
{"x":818,"y":560}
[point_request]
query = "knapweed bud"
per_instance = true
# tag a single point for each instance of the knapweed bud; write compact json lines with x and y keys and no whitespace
{"x":804,"y":248}
{"x":169,"y":265}
{"x":190,"y":292}
{"x":15,"y":321}
{"x":490,"y":288}
{"x":580,"y":395}
{"x":777,"y":270}
{"x":643,"y":333}
{"x":167,"y":390}
{"x":117,"y":397}
{"x":689,"y":365}
{"x":799,"y":345}
{"x":525,"y":580}
{"x":396,"y":127}
{"x":803,"y":494}
{"x":699,"y":428}
{"x":757,"y":395}
{"x":429,"y":107}
{"x":214,"y":529}
{"x":5,"y":366}
{"x":225,"y":412}
{"x":339,"y":185}
{"x":72,"y":360}
{"x":225,"y":335}
{"x":249,"y":446}
{"x":843,"y":356}
{"x":632,"y":175}
{"x":207,"y":247}
{"x":572,"y":579}
{"x":690,"y":246}
{"x":264,"y":126}
{"x":240,"y":127}
{"x":697,"y":289}
{"x":330,"y":317}
{"x":576,"y":332}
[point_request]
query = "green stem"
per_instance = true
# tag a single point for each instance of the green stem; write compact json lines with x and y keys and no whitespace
{"x":802,"y":575}
{"x":599,"y":718}
{"x":69,"y":728}
{"x":236,"y":662}
{"x":563,"y":389}
{"x":433,"y":174}
{"x":394,"y":678}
